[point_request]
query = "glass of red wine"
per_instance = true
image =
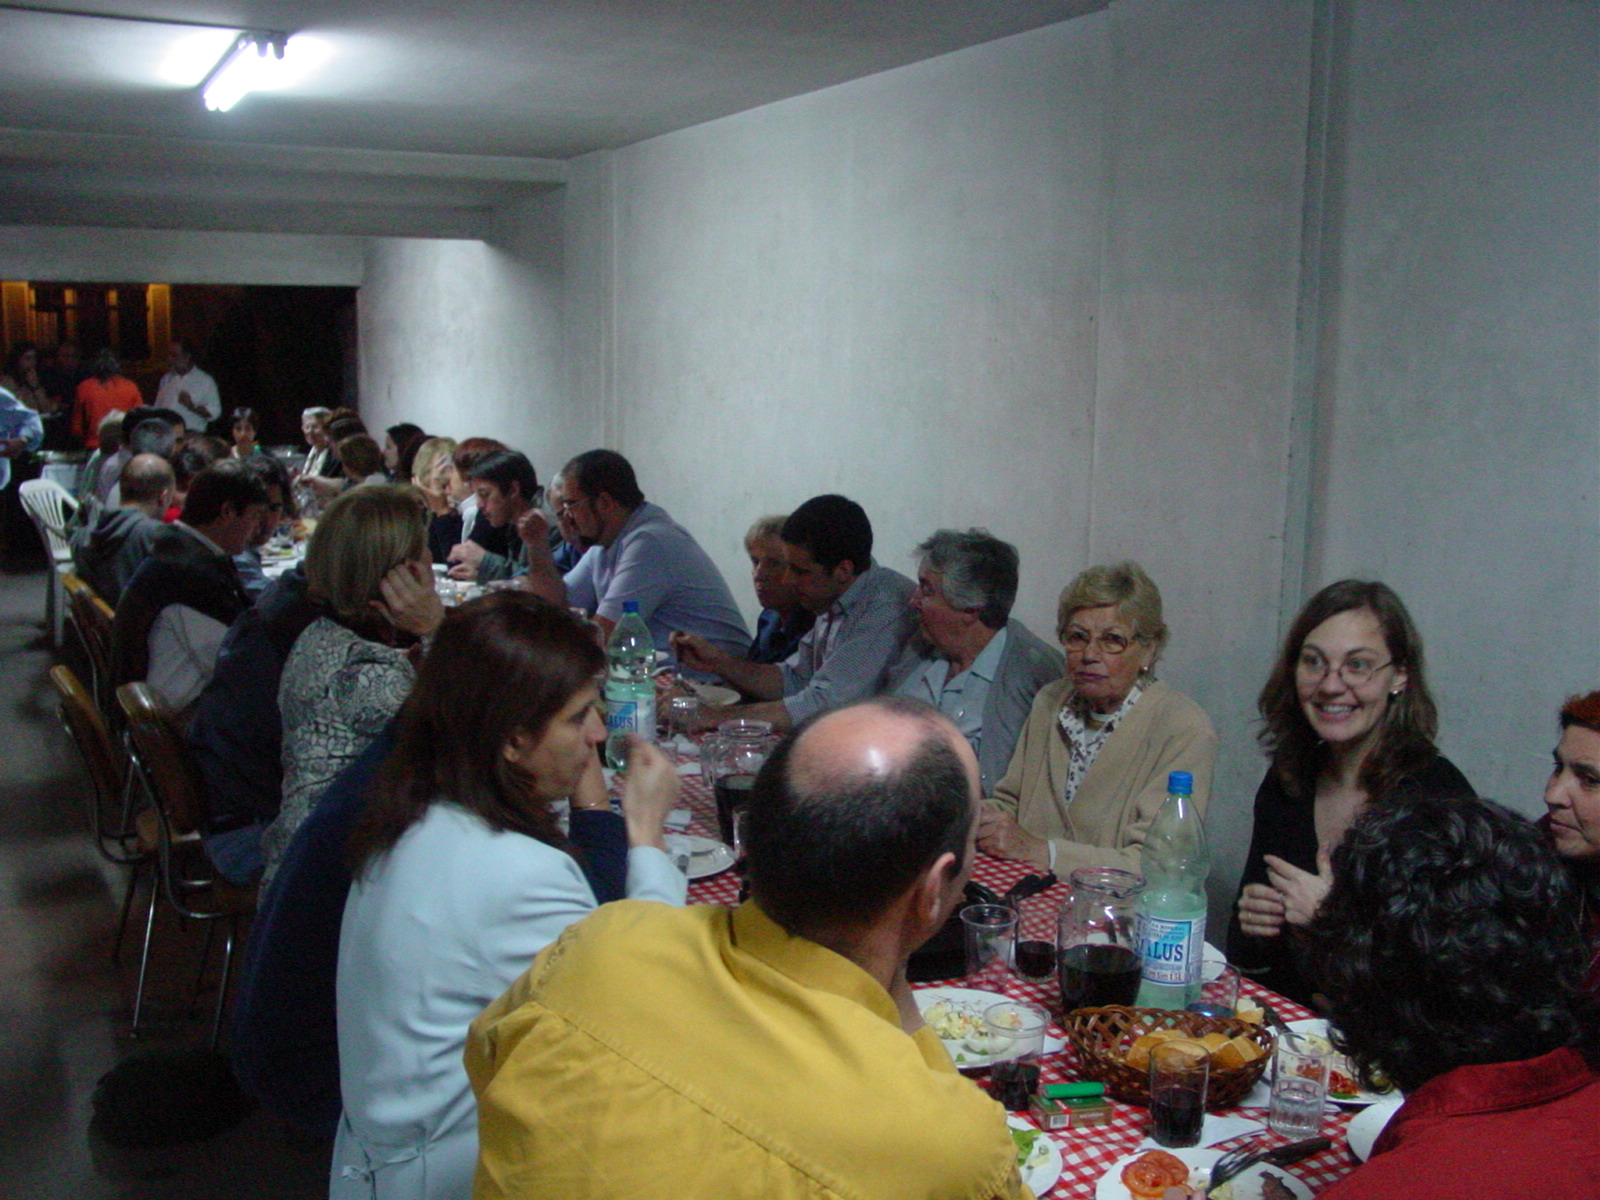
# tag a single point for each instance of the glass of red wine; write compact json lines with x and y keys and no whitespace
{"x":1179,"y":1072}
{"x":1015,"y":1032}
{"x":1097,"y":954}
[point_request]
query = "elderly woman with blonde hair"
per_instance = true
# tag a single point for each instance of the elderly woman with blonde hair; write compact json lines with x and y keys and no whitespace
{"x":351,"y":669}
{"x":1090,"y":770}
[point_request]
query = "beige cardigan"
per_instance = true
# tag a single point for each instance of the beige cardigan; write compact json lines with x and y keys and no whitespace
{"x":1123,"y":788}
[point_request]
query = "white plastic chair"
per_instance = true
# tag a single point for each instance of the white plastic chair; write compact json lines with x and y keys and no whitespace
{"x":51,"y":507}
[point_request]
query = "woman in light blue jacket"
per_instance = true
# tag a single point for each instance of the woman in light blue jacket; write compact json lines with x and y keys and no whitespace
{"x":463,"y":874}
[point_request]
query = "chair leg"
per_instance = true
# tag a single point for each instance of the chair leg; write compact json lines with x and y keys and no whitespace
{"x":205,"y":961}
{"x":53,"y":615}
{"x":127,"y":907}
{"x":227,"y":976}
{"x":144,"y":957}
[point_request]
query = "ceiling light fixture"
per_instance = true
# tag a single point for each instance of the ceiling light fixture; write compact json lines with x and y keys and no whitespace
{"x":250,"y":64}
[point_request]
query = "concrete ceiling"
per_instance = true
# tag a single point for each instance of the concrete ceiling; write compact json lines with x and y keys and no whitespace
{"x":425,"y":115}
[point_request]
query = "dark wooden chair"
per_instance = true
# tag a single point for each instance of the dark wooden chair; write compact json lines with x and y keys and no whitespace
{"x":110,"y":801}
{"x":164,"y":763}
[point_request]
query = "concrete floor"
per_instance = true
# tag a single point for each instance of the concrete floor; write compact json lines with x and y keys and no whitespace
{"x":64,"y":1008}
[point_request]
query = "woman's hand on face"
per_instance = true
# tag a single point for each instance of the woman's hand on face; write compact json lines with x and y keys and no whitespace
{"x":1302,"y":891}
{"x":649,"y":791}
{"x":1260,"y":910}
{"x":1001,"y":837}
{"x":409,"y":599}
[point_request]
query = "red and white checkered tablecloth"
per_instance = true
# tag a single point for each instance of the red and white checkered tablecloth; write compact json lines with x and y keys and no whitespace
{"x":1085,"y":1154}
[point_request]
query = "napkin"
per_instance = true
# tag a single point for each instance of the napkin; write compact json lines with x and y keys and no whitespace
{"x":678,"y":818}
{"x":1217,"y":1129}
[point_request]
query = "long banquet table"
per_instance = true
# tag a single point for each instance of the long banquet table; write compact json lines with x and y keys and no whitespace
{"x":1085,"y":1154}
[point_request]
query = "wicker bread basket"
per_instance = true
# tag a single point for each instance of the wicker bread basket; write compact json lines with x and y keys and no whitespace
{"x":1101,"y":1038}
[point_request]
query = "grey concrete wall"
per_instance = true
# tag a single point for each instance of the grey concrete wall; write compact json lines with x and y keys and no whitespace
{"x":464,"y":337}
{"x":1459,"y":450}
{"x":179,"y":256}
{"x":1045,"y":286}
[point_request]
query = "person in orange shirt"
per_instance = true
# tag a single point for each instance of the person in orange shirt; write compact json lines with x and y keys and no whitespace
{"x":106,"y":390}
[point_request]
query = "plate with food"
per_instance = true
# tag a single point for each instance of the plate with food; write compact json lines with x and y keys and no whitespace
{"x":1148,"y":1175}
{"x":956,"y":1015}
{"x":705,"y":856}
{"x":1038,"y":1157}
{"x":1343,"y":1087}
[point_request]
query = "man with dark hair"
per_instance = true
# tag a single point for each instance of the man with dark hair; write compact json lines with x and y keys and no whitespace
{"x":864,"y":618}
{"x":108,"y":554}
{"x":1451,"y":953}
{"x":187,"y":390}
{"x":507,"y":489}
{"x":745,"y":1046}
{"x":969,"y":659}
{"x":635,"y":551}
{"x":177,"y":607}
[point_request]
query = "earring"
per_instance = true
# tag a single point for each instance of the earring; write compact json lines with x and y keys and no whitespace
{"x":1395,"y":695}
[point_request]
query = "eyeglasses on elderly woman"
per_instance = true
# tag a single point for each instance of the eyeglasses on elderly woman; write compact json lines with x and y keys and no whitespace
{"x":1110,"y":643}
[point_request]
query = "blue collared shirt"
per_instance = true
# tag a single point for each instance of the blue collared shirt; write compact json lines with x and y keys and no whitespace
{"x":657,"y":563}
{"x":848,"y":651}
{"x":17,"y":420}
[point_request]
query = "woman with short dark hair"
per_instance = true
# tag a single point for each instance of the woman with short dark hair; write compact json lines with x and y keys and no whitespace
{"x":463,"y":873}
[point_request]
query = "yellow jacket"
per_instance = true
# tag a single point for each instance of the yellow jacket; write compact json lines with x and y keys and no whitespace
{"x":655,"y":1052}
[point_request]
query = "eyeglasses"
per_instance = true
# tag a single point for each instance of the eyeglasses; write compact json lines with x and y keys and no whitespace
{"x":1110,"y":644}
{"x":1355,"y":670}
{"x":565,"y":505}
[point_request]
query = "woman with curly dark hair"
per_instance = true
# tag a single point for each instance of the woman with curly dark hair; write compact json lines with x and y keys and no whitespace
{"x":1451,"y":952}
{"x":1348,"y":722}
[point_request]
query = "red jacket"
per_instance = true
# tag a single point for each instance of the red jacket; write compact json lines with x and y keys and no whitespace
{"x":1504,"y":1131}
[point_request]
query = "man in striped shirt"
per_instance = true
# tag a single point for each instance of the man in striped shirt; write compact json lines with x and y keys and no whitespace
{"x":864,"y":617}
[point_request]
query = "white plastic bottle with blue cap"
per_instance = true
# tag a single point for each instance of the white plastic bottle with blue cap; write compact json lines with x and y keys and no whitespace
{"x":1172,"y":907}
{"x":630,"y":685}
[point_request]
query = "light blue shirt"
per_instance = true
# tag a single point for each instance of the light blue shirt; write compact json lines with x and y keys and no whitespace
{"x":963,"y":698}
{"x":847,"y":654}
{"x":657,"y":563}
{"x":17,"y":420}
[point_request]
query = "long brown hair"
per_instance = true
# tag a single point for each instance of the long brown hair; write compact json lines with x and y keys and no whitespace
{"x":1410,"y":722}
{"x":499,"y":666}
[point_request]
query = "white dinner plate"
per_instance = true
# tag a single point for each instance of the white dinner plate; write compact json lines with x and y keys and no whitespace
{"x":1317,"y":1027}
{"x":1367,"y":1124}
{"x":715,"y":694}
{"x":1246,"y":1186}
{"x":970,"y":1000}
{"x":707,"y":856}
{"x":1042,"y":1176}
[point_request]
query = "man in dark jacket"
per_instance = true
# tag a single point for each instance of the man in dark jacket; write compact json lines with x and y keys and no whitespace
{"x":177,"y":607}
{"x":116,"y":546}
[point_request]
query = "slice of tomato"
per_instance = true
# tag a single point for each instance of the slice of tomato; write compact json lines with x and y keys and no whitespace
{"x":1152,"y":1173}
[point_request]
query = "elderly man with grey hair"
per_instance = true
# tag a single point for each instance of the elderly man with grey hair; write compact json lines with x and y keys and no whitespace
{"x":970,"y":659}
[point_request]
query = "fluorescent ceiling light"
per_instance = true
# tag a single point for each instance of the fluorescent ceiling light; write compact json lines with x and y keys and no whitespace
{"x":191,"y":58}
{"x":255,"y":62}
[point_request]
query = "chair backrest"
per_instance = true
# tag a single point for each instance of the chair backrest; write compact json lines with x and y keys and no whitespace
{"x":109,"y":818}
{"x":50,"y":506}
{"x":164,"y":758}
{"x":92,"y":618}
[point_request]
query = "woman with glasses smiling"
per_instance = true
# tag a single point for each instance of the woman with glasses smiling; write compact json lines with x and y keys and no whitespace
{"x":1090,"y":770}
{"x":1348,"y":721}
